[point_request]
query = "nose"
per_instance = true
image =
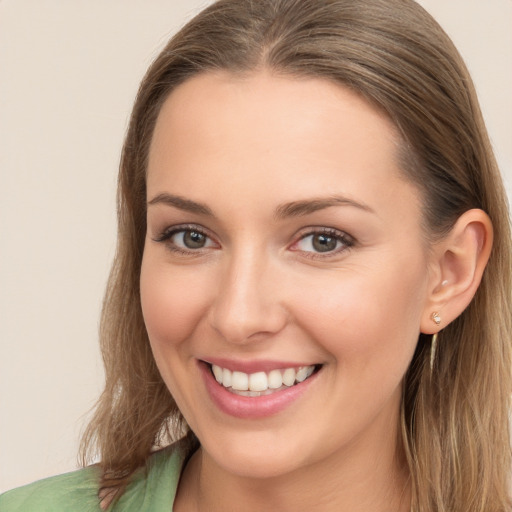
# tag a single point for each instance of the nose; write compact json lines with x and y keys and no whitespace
{"x":248,"y":305}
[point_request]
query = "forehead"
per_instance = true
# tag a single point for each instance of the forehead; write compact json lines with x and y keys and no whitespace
{"x":262,"y":133}
{"x":285,"y":105}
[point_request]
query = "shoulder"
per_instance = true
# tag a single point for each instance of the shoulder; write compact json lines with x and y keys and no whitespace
{"x":151,"y":490}
{"x":69,"y":492}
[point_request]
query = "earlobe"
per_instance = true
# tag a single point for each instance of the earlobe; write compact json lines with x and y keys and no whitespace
{"x":459,"y":261}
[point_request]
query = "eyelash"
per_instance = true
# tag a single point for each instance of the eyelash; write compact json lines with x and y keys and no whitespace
{"x":167,"y":234}
{"x":347,"y":241}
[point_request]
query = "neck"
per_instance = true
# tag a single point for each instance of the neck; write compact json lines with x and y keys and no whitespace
{"x":357,"y":480}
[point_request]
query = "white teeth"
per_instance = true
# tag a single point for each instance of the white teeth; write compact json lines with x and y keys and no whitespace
{"x":240,"y":381}
{"x":226,"y":378}
{"x":275,"y":379}
{"x":260,"y":383}
{"x":289,"y":377}
{"x":217,"y":371}
{"x":304,"y":372}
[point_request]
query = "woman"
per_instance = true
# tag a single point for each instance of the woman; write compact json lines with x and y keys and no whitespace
{"x":312,"y":280}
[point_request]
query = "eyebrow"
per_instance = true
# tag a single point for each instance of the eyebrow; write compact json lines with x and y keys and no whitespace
{"x":292,"y":209}
{"x":300,"y":208}
{"x":182,"y":204}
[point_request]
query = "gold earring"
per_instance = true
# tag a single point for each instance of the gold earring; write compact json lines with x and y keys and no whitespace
{"x":433,"y":348}
{"x":433,"y":344}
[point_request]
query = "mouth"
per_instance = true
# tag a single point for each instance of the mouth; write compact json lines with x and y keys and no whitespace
{"x":261,"y":383}
{"x":254,"y":390}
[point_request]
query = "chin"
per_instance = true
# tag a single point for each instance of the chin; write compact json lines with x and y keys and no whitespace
{"x":256,"y":455}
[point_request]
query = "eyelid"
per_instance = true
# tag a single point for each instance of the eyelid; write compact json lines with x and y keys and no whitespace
{"x":347,"y":240}
{"x":167,"y":233}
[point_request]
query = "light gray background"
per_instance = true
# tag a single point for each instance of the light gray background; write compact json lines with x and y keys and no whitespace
{"x":69,"y":71}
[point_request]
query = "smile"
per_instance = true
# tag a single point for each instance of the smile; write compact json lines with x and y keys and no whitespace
{"x":263,"y":389}
{"x":260,"y":383}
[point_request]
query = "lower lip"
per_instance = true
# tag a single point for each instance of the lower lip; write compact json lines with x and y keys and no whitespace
{"x":252,"y":407}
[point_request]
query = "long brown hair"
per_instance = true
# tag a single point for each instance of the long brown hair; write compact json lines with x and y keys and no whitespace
{"x":455,"y":425}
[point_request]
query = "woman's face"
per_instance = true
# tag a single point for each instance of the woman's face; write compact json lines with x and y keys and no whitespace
{"x":282,"y":241}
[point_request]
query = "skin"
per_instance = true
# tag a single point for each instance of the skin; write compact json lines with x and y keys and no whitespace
{"x":242,"y":147}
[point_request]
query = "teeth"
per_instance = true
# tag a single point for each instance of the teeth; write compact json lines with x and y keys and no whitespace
{"x":275,"y":379}
{"x":226,"y":378}
{"x":289,"y":377}
{"x":260,"y":383}
{"x":217,"y":371}
{"x":303,"y":373}
{"x":240,"y":381}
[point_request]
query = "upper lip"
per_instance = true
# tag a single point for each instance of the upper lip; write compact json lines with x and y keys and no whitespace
{"x":254,"y":366}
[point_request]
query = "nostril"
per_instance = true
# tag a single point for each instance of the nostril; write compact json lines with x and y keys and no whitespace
{"x":245,"y":326}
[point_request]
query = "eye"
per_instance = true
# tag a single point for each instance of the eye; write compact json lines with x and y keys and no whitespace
{"x":186,"y":240}
{"x":325,"y":241}
{"x":190,"y":239}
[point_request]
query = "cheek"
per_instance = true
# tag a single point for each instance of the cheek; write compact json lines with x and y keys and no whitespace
{"x":366,"y":317}
{"x":172,"y":303}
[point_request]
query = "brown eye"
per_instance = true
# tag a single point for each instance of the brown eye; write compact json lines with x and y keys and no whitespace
{"x":193,"y":239}
{"x":186,"y":240}
{"x":324,"y":243}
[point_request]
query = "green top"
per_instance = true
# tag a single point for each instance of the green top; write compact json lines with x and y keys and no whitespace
{"x":153,"y":491}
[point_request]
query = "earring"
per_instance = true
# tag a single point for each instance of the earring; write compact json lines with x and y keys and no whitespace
{"x":433,"y":344}
{"x":433,"y":348}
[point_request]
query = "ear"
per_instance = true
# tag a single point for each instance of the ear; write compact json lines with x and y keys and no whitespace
{"x":456,"y":269}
